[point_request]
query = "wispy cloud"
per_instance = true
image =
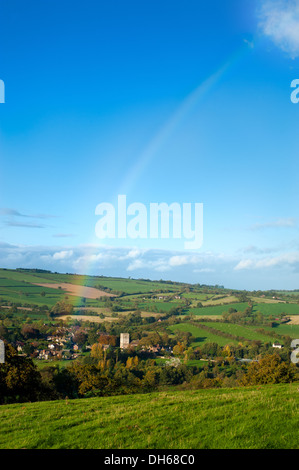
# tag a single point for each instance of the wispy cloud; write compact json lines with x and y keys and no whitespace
{"x":282,"y":223}
{"x":8,"y":211}
{"x":16,"y":218}
{"x":63,"y":235}
{"x":279,"y":20}
{"x":15,"y":213}
{"x":11,"y":223}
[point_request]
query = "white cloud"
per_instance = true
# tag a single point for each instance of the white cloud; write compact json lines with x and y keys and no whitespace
{"x":244,"y":264}
{"x":179,"y":260}
{"x":63,"y":255}
{"x":136,"y":264}
{"x":279,"y":20}
{"x":284,"y":260}
{"x":207,"y":267}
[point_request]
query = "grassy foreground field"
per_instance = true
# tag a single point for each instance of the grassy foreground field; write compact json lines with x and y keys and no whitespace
{"x":243,"y":418}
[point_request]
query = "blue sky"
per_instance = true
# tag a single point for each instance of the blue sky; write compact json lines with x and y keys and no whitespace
{"x":163,"y":102}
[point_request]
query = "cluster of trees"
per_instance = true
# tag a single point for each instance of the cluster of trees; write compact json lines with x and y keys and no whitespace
{"x":61,"y":308}
{"x":225,"y":373}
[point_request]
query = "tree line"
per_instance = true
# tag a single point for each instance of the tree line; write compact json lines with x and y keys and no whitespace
{"x":111,"y":371}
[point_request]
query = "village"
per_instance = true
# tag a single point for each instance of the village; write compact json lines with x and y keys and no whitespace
{"x":71,"y":342}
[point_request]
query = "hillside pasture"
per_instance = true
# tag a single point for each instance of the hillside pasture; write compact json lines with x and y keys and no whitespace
{"x":277,"y":308}
{"x":217,"y":309}
{"x":201,"y":336}
{"x":243,"y":418}
{"x":244,"y":331}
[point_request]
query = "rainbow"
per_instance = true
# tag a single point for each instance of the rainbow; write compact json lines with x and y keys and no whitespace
{"x":167,"y":130}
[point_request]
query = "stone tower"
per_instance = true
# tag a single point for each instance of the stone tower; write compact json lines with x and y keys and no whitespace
{"x":124,"y":340}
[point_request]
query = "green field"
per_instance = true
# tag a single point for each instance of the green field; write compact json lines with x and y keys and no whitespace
{"x":247,"y":332}
{"x":285,"y":329}
{"x":202,"y":336}
{"x":264,"y":308}
{"x":217,"y":309}
{"x":276,"y":308}
{"x":160,"y":306}
{"x":13,"y":282}
{"x":248,"y":418}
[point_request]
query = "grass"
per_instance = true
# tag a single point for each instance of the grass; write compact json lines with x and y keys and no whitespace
{"x":285,"y":329}
{"x":265,"y":308}
{"x":242,"y":418}
{"x":217,"y":309}
{"x":202,"y":336}
{"x":247,"y":332}
{"x":16,"y":286}
{"x":275,"y":309}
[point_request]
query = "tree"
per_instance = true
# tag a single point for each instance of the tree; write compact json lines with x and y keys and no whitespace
{"x":178,"y":349}
{"x":80,"y":337}
{"x":107,"y":339}
{"x":130,"y":363}
{"x":62,"y":308}
{"x":150,"y":379}
{"x":19,"y":378}
{"x":97,"y":351}
{"x":269,"y":370}
{"x":89,"y":378}
{"x":28,"y":331}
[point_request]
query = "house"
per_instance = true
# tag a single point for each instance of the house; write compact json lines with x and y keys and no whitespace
{"x":44,"y":354}
{"x":154,"y":349}
{"x":276,"y":345}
